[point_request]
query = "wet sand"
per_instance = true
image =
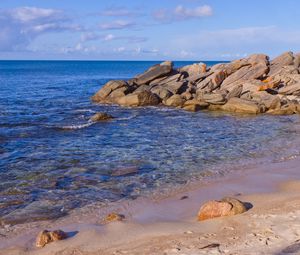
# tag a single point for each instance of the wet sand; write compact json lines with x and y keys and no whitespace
{"x":169,"y":225}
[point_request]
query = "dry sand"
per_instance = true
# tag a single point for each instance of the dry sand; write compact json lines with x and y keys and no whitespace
{"x":169,"y":226}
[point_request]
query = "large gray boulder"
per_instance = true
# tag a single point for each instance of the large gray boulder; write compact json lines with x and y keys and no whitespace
{"x":154,"y":72}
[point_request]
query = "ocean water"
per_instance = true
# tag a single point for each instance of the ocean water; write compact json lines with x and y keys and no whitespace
{"x":53,"y":157}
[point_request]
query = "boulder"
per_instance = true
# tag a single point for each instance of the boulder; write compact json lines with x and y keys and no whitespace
{"x":172,"y":77}
{"x":288,"y":109}
{"x":144,"y":98}
{"x":108,"y":88}
{"x":195,"y":105}
{"x":225,"y":207}
{"x":176,"y":87}
{"x":46,"y":237}
{"x":100,"y":116}
{"x":290,"y":90}
{"x":235,"y":92}
{"x":154,"y":72}
{"x":270,"y":101}
{"x":175,"y":101}
{"x":212,"y":98}
{"x":161,"y":92}
{"x":194,"y":69}
{"x":240,"y":105}
{"x":284,"y":59}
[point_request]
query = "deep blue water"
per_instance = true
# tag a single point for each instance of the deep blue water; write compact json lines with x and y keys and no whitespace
{"x":49,"y":153}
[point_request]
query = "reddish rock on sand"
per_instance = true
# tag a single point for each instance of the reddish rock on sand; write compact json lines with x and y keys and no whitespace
{"x":225,"y":207}
{"x":46,"y":237}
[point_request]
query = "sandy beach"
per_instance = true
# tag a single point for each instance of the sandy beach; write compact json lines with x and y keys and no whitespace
{"x":169,"y":225}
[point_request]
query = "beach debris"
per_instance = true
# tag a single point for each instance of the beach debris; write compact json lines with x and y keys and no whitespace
{"x":184,"y":197}
{"x":100,"y":116}
{"x":113,"y":217}
{"x":252,"y":85}
{"x":46,"y":237}
{"x":210,"y":246}
{"x":226,"y":207}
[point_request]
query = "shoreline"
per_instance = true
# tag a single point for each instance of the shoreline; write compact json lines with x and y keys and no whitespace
{"x":155,"y":218}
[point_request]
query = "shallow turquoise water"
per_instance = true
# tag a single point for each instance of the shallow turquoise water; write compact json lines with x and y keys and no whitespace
{"x":50,"y":153}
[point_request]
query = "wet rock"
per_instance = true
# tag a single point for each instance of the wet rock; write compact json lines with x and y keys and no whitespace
{"x":225,"y":207}
{"x":288,"y":109}
{"x":144,"y":98}
{"x":154,"y":72}
{"x":195,"y":105}
{"x":101,"y":116}
{"x":46,"y":237}
{"x":113,"y":217}
{"x":175,"y":101}
{"x":240,"y":105}
{"x":125,"y":171}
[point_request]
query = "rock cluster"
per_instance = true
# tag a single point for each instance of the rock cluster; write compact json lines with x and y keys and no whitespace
{"x":226,"y":207}
{"x":251,"y":85}
{"x":46,"y":237}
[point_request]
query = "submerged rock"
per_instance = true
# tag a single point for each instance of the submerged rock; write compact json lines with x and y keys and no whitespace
{"x":46,"y":237}
{"x":100,"y":116}
{"x":226,"y":207}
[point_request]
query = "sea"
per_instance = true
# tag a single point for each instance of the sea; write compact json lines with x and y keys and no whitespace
{"x":52,"y":155}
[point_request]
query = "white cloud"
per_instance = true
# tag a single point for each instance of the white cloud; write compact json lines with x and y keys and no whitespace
{"x":111,"y":37}
{"x":120,"y":12}
{"x":117,"y":24}
{"x":200,"y":11}
{"x":182,"y":13}
{"x":22,"y":25}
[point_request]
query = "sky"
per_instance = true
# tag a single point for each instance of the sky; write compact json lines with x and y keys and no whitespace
{"x":147,"y":30}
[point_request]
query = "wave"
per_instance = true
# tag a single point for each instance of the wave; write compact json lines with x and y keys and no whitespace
{"x":78,"y":126}
{"x":85,"y":110}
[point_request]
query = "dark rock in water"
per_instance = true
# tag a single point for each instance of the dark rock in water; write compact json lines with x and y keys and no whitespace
{"x":100,"y":116}
{"x":154,"y":72}
{"x":36,"y":211}
{"x":46,"y":237}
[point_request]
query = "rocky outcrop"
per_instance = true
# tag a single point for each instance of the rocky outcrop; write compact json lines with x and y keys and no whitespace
{"x":251,"y":85}
{"x":46,"y":237}
{"x":226,"y":207}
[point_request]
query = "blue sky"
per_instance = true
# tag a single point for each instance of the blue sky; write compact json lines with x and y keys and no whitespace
{"x":147,"y":30}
